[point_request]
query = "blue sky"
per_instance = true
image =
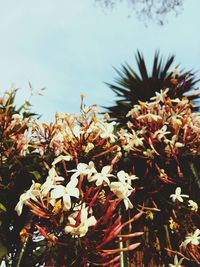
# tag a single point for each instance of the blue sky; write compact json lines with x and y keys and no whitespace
{"x":71,"y":46}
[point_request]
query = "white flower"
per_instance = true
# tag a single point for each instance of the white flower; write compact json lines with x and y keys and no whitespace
{"x":193,"y":205}
{"x":177,"y":263}
{"x":161,"y":132}
{"x":149,"y":153}
{"x":61,"y":116}
{"x":106,"y":116}
{"x":180,"y":102}
{"x":192,"y":238}
{"x":172,"y":143}
{"x":134,"y":111}
{"x":178,"y":196}
{"x":85,"y":223}
{"x":175,"y":71}
{"x":135,"y":139}
{"x":107,"y":131}
{"x":149,"y":117}
{"x":51,"y":181}
{"x":125,"y":177}
{"x":91,"y":110}
{"x":176,"y":121}
{"x":58,"y":137}
{"x":17,"y":118}
{"x":4,"y":99}
{"x":122,"y":190}
{"x":65,"y":193}
{"x":60,"y":158}
{"x":89,"y":147}
{"x":131,"y":140}
{"x":94,"y":128}
{"x":77,"y":131}
{"x":84,"y":169}
{"x":32,"y":193}
{"x":159,"y":97}
{"x":102,"y":176}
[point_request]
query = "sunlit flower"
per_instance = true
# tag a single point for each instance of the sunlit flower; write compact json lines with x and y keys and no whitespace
{"x":173,"y":142}
{"x":77,"y":131}
{"x":106,"y":116}
{"x":58,"y":137}
{"x":122,"y":190}
{"x":161,"y":132}
{"x":84,"y":169}
{"x":134,"y":111}
{"x":180,"y":102}
{"x":175,"y":71}
{"x":23,"y":142}
{"x":192,"y":238}
{"x":177,"y":263}
{"x":178,"y":196}
{"x":61,"y":116}
{"x":60,"y":158}
{"x":149,"y":117}
{"x":160,"y":96}
{"x":85,"y":223}
{"x":17,"y":118}
{"x":32,"y":193}
{"x":102,"y":176}
{"x":176,"y":121}
{"x":89,"y":147}
{"x":125,"y":177}
{"x":51,"y":181}
{"x":131,"y":142}
{"x":193,"y":205}
{"x":132,"y":139}
{"x":149,"y":153}
{"x":107,"y":131}
{"x":90,"y":111}
{"x":65,"y":193}
{"x":4,"y":99}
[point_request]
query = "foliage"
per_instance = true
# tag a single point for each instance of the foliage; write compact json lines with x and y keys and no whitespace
{"x":149,"y":10}
{"x":90,"y":193}
{"x":162,"y":141}
{"x":81,"y":199}
{"x":131,"y":86}
{"x":17,"y":164}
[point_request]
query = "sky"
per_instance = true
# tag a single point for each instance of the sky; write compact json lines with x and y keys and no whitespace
{"x":71,"y":46}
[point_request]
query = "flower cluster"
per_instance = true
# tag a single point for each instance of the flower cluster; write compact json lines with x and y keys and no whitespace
{"x":85,"y":193}
{"x":99,"y":189}
{"x":164,"y":130}
{"x":161,"y":138}
{"x":14,"y":128}
{"x":75,"y":135}
{"x":190,"y":238}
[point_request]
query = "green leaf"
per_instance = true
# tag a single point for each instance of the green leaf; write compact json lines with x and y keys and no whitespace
{"x":2,"y":208}
{"x":3,"y":251}
{"x":36,"y":175}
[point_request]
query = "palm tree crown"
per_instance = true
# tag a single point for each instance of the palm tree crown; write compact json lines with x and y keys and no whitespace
{"x":131,"y":86}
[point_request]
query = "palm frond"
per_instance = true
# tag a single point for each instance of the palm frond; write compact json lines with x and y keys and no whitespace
{"x":131,"y":86}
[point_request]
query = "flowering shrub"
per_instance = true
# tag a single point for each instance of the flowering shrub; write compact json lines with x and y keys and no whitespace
{"x":100,"y":194}
{"x":81,"y":202}
{"x":161,"y":141}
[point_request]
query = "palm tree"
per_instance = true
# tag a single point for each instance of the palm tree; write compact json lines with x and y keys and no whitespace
{"x":131,"y":86}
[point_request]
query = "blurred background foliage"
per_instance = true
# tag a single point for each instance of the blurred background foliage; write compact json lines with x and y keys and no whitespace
{"x":148,"y":10}
{"x":132,"y":85}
